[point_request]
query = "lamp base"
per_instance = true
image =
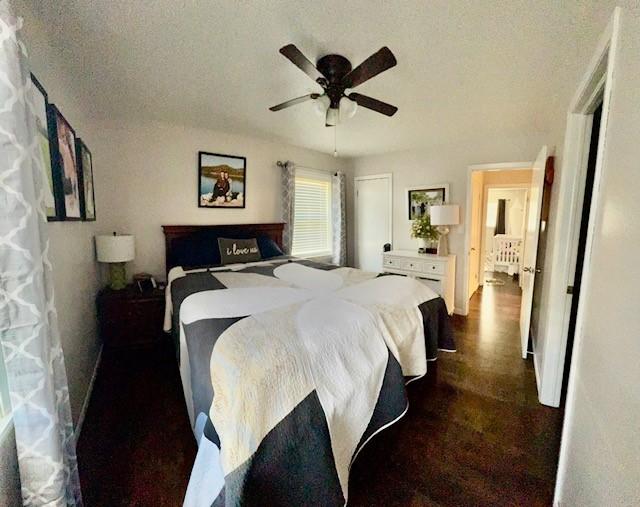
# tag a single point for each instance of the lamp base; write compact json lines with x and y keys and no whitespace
{"x":443,"y":242}
{"x":117,"y":276}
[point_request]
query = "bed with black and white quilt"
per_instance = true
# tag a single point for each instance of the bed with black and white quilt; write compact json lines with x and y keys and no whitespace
{"x":289,"y":368}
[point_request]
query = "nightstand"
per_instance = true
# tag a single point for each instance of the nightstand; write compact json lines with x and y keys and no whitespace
{"x":129,"y":317}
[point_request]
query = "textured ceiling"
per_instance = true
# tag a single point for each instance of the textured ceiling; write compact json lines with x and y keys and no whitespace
{"x":463,"y":67}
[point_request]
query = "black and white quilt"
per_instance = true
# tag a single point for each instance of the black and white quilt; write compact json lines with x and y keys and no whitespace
{"x":289,"y":367}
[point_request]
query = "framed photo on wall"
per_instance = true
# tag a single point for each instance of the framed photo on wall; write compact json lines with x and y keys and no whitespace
{"x":421,"y":198}
{"x":52,"y":199}
{"x":221,"y":180}
{"x":66,"y":167}
{"x":88,"y":202}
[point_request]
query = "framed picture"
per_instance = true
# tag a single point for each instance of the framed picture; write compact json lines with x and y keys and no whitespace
{"x":52,"y":198}
{"x":65,"y":167}
{"x":420,"y":198}
{"x":88,"y":202}
{"x":221,"y":180}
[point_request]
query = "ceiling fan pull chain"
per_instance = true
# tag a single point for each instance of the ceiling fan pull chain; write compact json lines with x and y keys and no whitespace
{"x":335,"y":141}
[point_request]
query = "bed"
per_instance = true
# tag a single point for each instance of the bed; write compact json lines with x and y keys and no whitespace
{"x":289,"y":366}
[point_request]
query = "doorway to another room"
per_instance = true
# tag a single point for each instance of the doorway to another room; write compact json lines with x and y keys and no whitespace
{"x":497,"y":224}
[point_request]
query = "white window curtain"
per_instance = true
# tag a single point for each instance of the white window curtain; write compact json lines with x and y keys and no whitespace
{"x":29,"y":335}
{"x":339,"y":218}
{"x":288,"y":169}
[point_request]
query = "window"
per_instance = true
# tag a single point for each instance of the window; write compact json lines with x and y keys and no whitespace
{"x":312,"y":214}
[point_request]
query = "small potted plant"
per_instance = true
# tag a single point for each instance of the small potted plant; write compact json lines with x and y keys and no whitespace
{"x":422,"y":229}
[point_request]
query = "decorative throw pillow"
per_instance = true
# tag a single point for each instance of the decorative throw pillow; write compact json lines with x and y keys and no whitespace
{"x":238,"y":250}
{"x":268,"y":247}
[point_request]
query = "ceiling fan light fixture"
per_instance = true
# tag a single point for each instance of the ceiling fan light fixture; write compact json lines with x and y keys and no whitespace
{"x":348,"y":108}
{"x":321,"y":104}
{"x":333,"y":117}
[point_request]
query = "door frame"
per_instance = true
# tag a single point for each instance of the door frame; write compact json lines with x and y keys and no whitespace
{"x":356,"y":179}
{"x":485,"y":202}
{"x":595,"y":85}
{"x":598,"y":81}
{"x":498,"y":166}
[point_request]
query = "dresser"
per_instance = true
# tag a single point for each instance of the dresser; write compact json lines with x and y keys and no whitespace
{"x":439,"y":273}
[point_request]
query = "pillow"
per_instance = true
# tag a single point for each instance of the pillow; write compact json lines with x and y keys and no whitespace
{"x":238,"y":250}
{"x":268,"y":247}
{"x":199,"y":249}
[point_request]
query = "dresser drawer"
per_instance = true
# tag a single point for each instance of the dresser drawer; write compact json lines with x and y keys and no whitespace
{"x":437,"y":268}
{"x":411,"y":265}
{"x":394,"y":262}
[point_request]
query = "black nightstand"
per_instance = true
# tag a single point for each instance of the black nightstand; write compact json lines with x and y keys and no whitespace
{"x":129,"y":317}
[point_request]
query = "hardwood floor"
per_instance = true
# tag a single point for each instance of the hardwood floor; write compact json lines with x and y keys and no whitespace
{"x":474,"y":434}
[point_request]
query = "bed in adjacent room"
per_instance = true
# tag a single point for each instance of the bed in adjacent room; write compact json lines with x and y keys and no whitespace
{"x":288,"y":366}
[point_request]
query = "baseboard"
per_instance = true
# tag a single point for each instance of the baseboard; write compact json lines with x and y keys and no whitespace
{"x":87,"y":396}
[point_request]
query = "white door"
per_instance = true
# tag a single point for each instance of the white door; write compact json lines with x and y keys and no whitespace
{"x":476,"y":231}
{"x":532,"y":231}
{"x":373,"y":220}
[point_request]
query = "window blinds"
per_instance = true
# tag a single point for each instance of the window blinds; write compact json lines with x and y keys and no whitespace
{"x":312,"y":214}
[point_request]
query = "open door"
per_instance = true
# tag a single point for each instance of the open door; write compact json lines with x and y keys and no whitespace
{"x":476,"y":232}
{"x":532,"y":232}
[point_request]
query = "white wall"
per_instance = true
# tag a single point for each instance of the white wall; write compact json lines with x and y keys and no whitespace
{"x":153,"y":173}
{"x":448,"y":164}
{"x":600,"y":464}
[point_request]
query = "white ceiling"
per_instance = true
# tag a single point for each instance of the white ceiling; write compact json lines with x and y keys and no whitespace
{"x":501,"y":67}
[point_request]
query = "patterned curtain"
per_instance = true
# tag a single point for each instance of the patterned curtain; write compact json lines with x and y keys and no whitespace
{"x":28,"y":322}
{"x":288,"y":202}
{"x":339,"y":217}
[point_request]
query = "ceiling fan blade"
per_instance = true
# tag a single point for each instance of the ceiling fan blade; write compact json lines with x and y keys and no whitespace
{"x":378,"y":62}
{"x":293,"y":102}
{"x":291,"y":52}
{"x":373,"y":104}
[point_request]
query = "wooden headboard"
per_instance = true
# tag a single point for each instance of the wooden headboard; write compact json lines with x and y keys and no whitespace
{"x":174,"y":232}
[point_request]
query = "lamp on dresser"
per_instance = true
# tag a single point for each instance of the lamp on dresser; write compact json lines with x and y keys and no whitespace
{"x":443,"y":216}
{"x":116,"y":250}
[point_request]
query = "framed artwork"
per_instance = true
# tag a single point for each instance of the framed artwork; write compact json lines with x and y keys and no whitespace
{"x":52,"y":199}
{"x":88,"y":202}
{"x":420,"y":198}
{"x":65,"y":167}
{"x":221,"y":180}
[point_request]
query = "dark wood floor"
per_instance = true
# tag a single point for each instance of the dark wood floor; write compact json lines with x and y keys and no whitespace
{"x":475,"y":433}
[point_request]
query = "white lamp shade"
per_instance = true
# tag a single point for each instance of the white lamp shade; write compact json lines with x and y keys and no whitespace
{"x":333,"y":117}
{"x":348,"y":108}
{"x":321,"y":104}
{"x":115,"y":248}
{"x":445,"y":214}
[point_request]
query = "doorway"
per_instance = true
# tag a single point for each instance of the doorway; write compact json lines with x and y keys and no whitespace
{"x":373,"y":220}
{"x":497,"y":212}
{"x":582,"y":242}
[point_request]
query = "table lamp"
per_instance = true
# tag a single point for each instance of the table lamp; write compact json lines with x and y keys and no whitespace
{"x":116,"y":250}
{"x":444,"y":215}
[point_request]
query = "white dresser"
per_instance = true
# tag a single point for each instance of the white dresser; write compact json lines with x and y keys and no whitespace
{"x":439,"y":273}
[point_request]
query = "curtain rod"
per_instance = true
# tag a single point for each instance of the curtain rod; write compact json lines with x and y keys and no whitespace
{"x":281,"y":164}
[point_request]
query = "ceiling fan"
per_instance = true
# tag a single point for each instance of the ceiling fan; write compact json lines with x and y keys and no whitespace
{"x":335,"y":75}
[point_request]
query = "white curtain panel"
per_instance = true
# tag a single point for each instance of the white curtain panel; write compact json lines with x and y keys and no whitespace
{"x":339,"y":218}
{"x":288,"y":202}
{"x":28,"y":323}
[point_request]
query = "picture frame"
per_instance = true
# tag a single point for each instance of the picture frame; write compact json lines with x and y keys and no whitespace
{"x":52,"y":197}
{"x":65,"y":166}
{"x":88,"y":199}
{"x":222,"y":181}
{"x":419,"y":198}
